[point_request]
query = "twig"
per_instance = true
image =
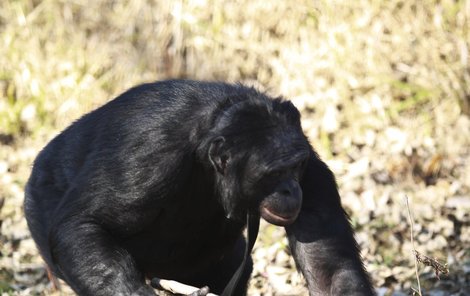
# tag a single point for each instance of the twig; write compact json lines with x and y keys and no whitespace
{"x":413,"y":245}
{"x":414,"y":291}
{"x":438,"y":267}
{"x":174,"y":287}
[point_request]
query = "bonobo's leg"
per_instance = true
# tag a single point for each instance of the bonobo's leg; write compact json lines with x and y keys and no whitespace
{"x":38,"y":212}
{"x":86,"y":256}
{"x":92,"y":263}
{"x":322,"y":240}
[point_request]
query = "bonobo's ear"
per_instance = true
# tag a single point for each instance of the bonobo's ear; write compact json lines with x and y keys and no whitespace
{"x":217,"y":156}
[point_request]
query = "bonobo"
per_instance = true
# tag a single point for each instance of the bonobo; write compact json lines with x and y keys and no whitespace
{"x":158,"y":183}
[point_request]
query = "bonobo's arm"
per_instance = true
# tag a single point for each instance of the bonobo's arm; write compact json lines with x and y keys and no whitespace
{"x":322,"y":240}
{"x":89,"y":259}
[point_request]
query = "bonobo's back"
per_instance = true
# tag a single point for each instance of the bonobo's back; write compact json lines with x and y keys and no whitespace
{"x":173,"y":112}
{"x":145,"y":112}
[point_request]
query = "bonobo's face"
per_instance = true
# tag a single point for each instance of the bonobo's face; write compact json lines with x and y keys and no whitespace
{"x":261,"y":174}
{"x":274,"y":185}
{"x":282,"y":205}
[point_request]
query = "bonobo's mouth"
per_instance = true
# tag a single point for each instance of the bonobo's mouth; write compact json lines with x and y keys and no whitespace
{"x":277,"y":219}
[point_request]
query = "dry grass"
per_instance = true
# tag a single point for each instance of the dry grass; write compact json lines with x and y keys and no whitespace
{"x":66,"y":57}
{"x":387,"y":81}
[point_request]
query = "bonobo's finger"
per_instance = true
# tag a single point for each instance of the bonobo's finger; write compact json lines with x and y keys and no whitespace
{"x":201,"y":292}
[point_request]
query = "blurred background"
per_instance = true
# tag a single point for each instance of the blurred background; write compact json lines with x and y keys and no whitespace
{"x":383,"y":87}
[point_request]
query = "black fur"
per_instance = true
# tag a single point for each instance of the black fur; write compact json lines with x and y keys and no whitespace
{"x":158,"y":182}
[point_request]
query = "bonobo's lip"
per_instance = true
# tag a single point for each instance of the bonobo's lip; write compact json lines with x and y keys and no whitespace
{"x":275,"y":218}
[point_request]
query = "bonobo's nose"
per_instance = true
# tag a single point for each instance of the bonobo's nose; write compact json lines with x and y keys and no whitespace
{"x":289,"y":188}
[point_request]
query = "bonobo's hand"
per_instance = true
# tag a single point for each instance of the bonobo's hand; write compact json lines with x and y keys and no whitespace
{"x":201,"y":292}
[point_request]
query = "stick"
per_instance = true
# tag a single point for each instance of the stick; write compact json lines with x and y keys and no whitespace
{"x":413,"y":244}
{"x":174,"y":287}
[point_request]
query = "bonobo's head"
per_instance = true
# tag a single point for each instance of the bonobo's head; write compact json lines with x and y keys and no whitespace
{"x":258,"y":156}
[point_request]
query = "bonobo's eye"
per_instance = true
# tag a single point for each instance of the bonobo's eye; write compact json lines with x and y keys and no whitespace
{"x":275,"y":174}
{"x":300,"y":168}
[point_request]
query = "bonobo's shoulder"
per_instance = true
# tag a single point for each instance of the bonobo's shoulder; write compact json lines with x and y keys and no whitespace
{"x":171,"y":102}
{"x":223,"y":96}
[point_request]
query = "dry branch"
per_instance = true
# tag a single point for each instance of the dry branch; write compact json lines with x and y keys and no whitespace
{"x":175,"y":287}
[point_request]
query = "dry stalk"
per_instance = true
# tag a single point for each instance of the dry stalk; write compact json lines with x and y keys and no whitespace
{"x":438,"y":267}
{"x":413,"y":246}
